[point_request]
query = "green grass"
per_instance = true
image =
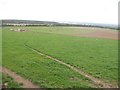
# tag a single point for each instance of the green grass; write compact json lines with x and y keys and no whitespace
{"x":98,"y":57}
{"x":0,"y":46}
{"x":9,"y":82}
{"x":38,"y":69}
{"x":62,"y":30}
{"x":59,"y":30}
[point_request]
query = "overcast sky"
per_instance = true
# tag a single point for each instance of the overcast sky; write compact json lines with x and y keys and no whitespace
{"x":94,"y":11}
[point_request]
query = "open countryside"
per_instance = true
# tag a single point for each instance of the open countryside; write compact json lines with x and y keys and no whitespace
{"x":60,"y":57}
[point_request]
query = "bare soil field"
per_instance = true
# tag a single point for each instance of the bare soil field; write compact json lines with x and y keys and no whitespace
{"x":101,"y":34}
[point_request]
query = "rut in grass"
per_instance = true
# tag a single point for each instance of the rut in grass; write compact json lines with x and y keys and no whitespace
{"x":96,"y":81}
{"x":20,"y":80}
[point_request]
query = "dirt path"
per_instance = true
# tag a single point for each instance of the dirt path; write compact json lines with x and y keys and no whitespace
{"x":20,"y":80}
{"x":95,"y":80}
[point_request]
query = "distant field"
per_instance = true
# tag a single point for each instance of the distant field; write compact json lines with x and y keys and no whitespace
{"x":63,"y":30}
{"x":66,"y":30}
{"x":96,"y":56}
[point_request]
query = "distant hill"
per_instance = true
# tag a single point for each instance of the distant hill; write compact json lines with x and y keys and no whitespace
{"x":112,"y":26}
{"x":9,"y":22}
{"x":4,"y":22}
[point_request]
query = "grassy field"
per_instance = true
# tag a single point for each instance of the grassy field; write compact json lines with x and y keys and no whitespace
{"x":0,"y":46}
{"x":9,"y":82}
{"x":98,"y":57}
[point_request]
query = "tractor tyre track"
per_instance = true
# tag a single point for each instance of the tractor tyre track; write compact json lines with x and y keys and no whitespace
{"x":96,"y":81}
{"x":20,"y":80}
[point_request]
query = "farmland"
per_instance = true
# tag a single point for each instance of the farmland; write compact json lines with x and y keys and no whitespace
{"x":97,"y":57}
{"x":9,"y":82}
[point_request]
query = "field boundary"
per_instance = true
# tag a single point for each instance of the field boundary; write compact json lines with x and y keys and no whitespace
{"x":96,"y":81}
{"x":20,"y":80}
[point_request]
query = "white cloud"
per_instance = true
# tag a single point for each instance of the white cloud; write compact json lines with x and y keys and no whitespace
{"x":98,"y":11}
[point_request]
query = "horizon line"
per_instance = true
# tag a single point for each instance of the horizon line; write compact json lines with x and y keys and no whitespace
{"x":60,"y":21}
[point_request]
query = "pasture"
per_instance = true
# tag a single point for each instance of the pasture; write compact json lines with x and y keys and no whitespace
{"x":9,"y":82}
{"x":95,"y":56}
